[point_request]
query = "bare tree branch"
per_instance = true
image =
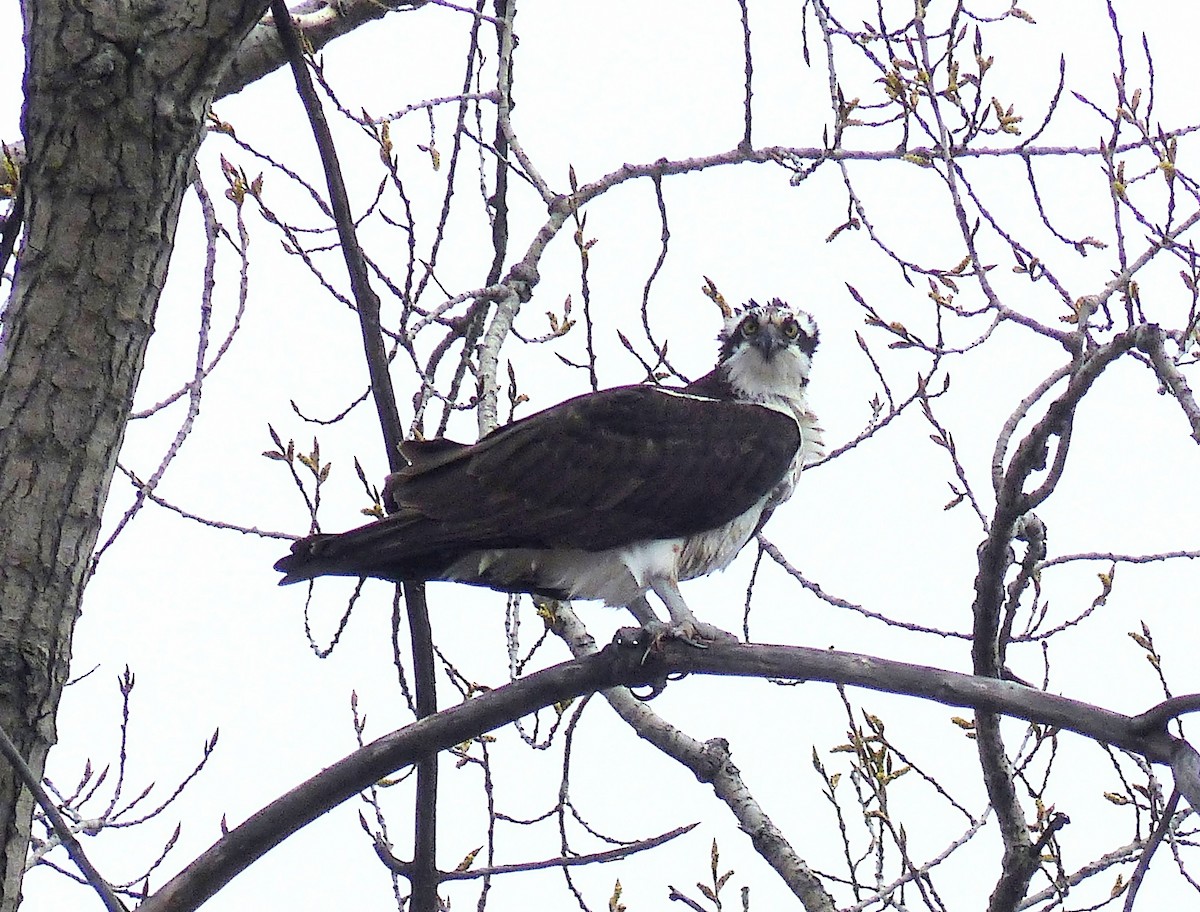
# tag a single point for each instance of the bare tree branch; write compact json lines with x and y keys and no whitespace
{"x":263,"y":51}
{"x":628,"y":663}
{"x":60,"y":824}
{"x":710,"y":762}
{"x":567,"y":861}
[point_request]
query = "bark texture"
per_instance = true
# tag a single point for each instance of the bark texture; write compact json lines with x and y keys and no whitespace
{"x":115,"y":100}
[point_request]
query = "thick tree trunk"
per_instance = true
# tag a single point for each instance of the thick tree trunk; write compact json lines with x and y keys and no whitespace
{"x":114,"y":111}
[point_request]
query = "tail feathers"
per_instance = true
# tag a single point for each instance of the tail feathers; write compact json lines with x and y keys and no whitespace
{"x":317,"y":555}
{"x":378,"y":550}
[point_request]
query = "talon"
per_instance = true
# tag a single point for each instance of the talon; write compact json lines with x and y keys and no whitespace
{"x":695,"y":633}
{"x":656,"y":688}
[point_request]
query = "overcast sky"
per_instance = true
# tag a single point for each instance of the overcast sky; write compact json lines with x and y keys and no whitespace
{"x":196,"y":613}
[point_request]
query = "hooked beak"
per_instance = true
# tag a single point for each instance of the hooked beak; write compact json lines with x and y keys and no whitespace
{"x":768,"y":341}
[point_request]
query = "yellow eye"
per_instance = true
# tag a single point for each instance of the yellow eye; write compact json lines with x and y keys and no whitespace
{"x":790,"y":328}
{"x":750,"y":327}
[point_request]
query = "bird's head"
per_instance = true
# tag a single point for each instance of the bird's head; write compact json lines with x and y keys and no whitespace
{"x":766,"y":350}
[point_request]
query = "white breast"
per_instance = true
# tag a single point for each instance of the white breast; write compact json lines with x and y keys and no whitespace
{"x":619,"y":575}
{"x":707,"y":552}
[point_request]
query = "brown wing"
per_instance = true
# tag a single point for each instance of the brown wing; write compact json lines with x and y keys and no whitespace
{"x":600,"y":471}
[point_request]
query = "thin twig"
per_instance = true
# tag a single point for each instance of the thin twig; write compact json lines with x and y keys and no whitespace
{"x":364,"y":296}
{"x":424,"y":897}
{"x":61,"y":827}
{"x":568,"y":861}
{"x":710,"y":763}
{"x":1156,"y":838}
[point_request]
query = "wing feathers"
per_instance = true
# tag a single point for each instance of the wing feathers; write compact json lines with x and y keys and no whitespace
{"x":600,"y":471}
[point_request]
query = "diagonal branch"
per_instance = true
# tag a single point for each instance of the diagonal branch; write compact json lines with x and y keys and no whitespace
{"x":246,"y":843}
{"x":1165,"y":823}
{"x":1151,"y":342}
{"x":627,"y":663}
{"x":710,"y":763}
{"x":10,"y":753}
{"x":263,"y":50}
{"x":1013,"y":503}
{"x":565,"y":861}
{"x":366,"y":301}
{"x":424,"y":879}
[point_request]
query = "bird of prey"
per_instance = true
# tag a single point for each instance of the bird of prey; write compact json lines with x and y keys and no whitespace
{"x":609,"y":495}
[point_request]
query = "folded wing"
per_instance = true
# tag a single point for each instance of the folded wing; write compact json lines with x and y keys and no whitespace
{"x":600,"y":471}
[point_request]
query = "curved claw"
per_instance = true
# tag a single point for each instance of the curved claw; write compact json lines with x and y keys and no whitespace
{"x":656,"y":688}
{"x":684,"y":625}
{"x":695,"y":633}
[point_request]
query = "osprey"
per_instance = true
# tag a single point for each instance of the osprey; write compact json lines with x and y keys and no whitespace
{"x":609,"y":495}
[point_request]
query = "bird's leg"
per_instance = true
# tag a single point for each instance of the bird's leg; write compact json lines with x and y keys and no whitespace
{"x":683,"y":623}
{"x":640,"y":609}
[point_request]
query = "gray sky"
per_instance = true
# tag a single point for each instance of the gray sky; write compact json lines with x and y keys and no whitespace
{"x":196,"y":613}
